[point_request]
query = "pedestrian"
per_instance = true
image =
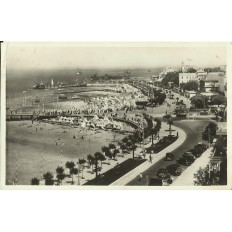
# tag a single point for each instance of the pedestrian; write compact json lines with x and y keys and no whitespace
{"x":140,"y":176}
{"x":177,"y":134}
{"x":56,"y":142}
{"x":150,"y":157}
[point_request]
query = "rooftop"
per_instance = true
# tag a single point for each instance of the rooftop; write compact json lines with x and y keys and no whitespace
{"x":214,"y":76}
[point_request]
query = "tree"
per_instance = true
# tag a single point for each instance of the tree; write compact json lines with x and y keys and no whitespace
{"x":199,"y":101}
{"x":82,"y":162}
{"x":123,"y":147}
{"x":210,"y":132}
{"x":106,"y":151}
{"x":202,"y":177}
{"x":97,"y":157}
{"x":191,"y":70}
{"x":90,"y":159}
{"x":34,"y":181}
{"x":219,"y":100}
{"x":191,"y":86}
{"x":182,"y":86}
{"x":154,"y":131}
{"x":73,"y":171}
{"x":48,"y":177}
{"x":202,"y":86}
{"x":60,"y":174}
{"x":171,"y":77}
{"x":114,"y":154}
{"x":112,"y":146}
{"x":137,"y":135}
{"x":70,"y":165}
{"x":125,"y":139}
{"x":101,"y":158}
{"x":133,"y":148}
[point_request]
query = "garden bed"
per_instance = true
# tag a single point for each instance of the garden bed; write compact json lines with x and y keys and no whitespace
{"x":115,"y":173}
{"x":162,"y":144}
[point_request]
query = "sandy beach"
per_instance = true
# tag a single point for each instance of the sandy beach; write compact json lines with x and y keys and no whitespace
{"x":27,"y":146}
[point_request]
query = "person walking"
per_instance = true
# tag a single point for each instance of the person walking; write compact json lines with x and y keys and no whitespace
{"x":150,"y":158}
{"x":140,"y":176}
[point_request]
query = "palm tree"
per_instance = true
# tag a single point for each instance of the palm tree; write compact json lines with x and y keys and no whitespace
{"x":133,"y":147}
{"x":48,"y":177}
{"x":102,"y":158}
{"x":70,"y":165}
{"x":60,"y":174}
{"x":123,"y":148}
{"x":73,"y":171}
{"x":112,"y":146}
{"x":34,"y":181}
{"x":97,"y":157}
{"x":106,"y":151}
{"x":153,"y":132}
{"x":82,"y":162}
{"x":90,"y":159}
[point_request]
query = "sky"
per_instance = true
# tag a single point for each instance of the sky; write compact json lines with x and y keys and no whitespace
{"x":61,"y":55}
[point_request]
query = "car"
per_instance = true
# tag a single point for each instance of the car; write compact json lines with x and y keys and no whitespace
{"x":200,"y":148}
{"x":188,"y":154}
{"x":174,"y":169}
{"x":169,"y":156}
{"x":163,"y":173}
{"x":187,"y":159}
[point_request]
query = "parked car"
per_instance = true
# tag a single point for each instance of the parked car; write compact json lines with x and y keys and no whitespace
{"x":163,"y":173}
{"x":174,"y":169}
{"x":169,"y":156}
{"x":200,"y":148}
{"x":189,"y":154}
{"x":187,"y":159}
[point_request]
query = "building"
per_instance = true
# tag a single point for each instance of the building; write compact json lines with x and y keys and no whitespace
{"x":222,"y":129}
{"x":186,"y":77}
{"x":223,"y":68}
{"x":222,"y":84}
{"x":201,"y":74}
{"x":216,"y":81}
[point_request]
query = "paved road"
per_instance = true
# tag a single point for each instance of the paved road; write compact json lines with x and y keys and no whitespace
{"x":193,"y":129}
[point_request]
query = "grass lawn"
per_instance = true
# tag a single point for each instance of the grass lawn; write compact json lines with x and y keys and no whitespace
{"x":115,"y":173}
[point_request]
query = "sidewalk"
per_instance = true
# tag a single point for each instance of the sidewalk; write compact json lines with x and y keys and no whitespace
{"x":186,"y":178}
{"x":156,"y":157}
